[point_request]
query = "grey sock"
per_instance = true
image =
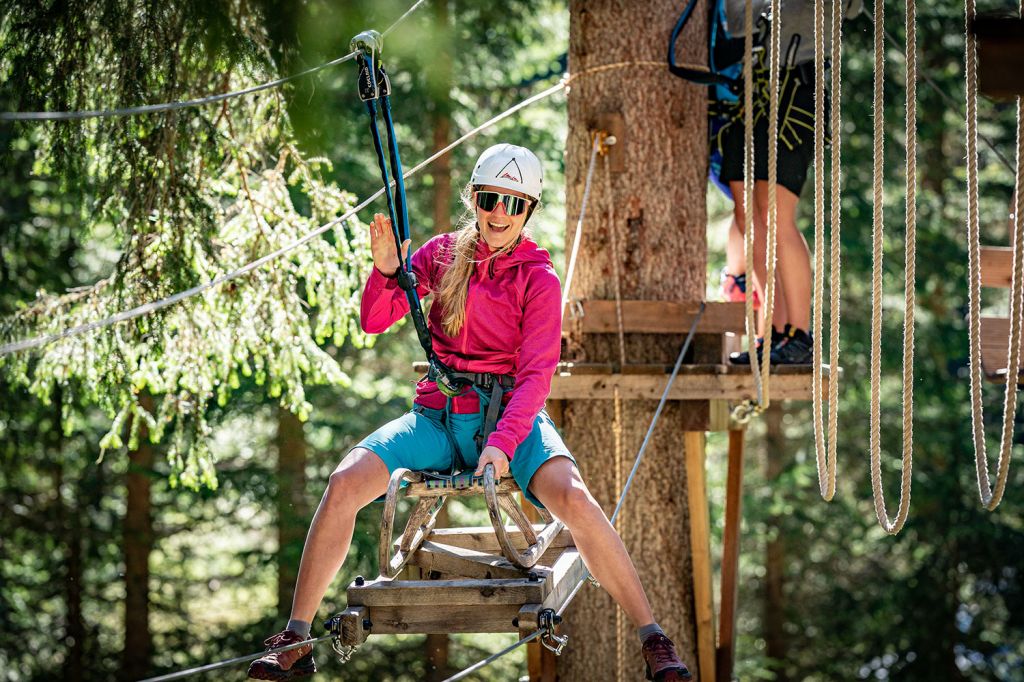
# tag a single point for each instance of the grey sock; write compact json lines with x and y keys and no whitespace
{"x":299,"y":626}
{"x":647,"y":630}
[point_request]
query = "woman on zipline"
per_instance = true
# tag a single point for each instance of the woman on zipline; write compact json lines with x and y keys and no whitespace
{"x":497,"y":315}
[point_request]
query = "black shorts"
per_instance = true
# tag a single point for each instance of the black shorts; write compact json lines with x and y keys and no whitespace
{"x":796,"y":135}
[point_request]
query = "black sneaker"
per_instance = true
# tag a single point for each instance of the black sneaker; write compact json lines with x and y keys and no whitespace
{"x":743,"y":357}
{"x":796,"y":349}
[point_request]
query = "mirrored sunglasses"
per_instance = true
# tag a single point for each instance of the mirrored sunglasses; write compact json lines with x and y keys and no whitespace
{"x":488,"y":201}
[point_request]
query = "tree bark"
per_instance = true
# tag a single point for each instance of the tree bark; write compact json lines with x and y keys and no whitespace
{"x":657,"y":205}
{"x":775,"y":552}
{"x":138,"y":544}
{"x":292,"y":508}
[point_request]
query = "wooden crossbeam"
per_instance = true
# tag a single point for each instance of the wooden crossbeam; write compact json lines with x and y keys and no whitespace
{"x":464,"y":562}
{"x":483,"y":540}
{"x":995,"y":343}
{"x":441,"y":618}
{"x":435,"y":593}
{"x":662,"y":317}
{"x":695,"y":382}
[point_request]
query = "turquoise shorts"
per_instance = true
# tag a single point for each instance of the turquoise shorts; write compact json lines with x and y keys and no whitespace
{"x":417,"y":441}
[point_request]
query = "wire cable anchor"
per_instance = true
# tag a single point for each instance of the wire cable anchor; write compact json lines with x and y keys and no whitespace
{"x":552,"y":641}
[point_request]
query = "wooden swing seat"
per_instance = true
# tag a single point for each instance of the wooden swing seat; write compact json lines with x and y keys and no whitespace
{"x":496,"y":579}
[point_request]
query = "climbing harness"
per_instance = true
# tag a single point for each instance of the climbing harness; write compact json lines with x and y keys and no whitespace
{"x":991,"y":495}
{"x":826,"y":453}
{"x":893,"y":526}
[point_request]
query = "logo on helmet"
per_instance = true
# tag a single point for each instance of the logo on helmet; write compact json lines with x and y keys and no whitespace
{"x":506,"y":172}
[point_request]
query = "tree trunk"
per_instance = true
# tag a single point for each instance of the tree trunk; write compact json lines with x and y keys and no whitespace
{"x":775,"y":553}
{"x":292,"y":508}
{"x":659,"y":176}
{"x":138,"y":544}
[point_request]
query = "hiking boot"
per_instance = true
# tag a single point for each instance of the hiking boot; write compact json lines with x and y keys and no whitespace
{"x":795,"y":349}
{"x":283,"y":665}
{"x":663,"y":664}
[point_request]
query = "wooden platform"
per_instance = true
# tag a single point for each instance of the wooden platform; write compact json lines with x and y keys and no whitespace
{"x":997,"y":273}
{"x":694,"y":382}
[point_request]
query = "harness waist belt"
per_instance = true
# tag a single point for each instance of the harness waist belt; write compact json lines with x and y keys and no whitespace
{"x":482,"y":379}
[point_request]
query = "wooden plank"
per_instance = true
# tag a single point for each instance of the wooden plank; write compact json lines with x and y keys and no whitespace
{"x":439,"y":618}
{"x":447,"y":592}
{"x":565,"y":573}
{"x":464,"y":562}
{"x":662,"y":317}
{"x":695,"y":382}
{"x":353,"y":625}
{"x":996,"y":266}
{"x":726,"y":652}
{"x":995,"y":344}
{"x":483,"y":540}
{"x":473,"y":487}
{"x":700,"y":551}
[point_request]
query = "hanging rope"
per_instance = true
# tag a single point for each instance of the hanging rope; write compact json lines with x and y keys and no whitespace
{"x":748,"y":192}
{"x":990,"y":497}
{"x":617,"y":427}
{"x":826,"y":454}
{"x":893,"y":526}
{"x":771,"y":238}
{"x":578,"y":235}
{"x":185,"y":104}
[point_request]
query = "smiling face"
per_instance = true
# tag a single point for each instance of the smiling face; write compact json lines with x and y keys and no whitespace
{"x":497,"y":227}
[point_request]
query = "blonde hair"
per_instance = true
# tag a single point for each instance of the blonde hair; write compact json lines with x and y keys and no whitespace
{"x":460,"y":258}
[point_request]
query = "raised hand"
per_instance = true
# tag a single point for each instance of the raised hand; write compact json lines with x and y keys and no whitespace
{"x":382,"y":245}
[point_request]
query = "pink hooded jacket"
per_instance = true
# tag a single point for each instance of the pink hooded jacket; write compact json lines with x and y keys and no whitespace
{"x":513,"y":326}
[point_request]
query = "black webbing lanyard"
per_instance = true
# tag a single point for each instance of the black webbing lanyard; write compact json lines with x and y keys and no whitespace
{"x":375,"y":86}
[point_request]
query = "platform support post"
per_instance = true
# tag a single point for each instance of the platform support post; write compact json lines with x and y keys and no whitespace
{"x":730,"y":557}
{"x":700,"y":551}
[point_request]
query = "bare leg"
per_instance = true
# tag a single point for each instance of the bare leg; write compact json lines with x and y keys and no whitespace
{"x":794,"y":261}
{"x":735,"y":259}
{"x":559,"y":487}
{"x":360,"y":479}
{"x":780,"y":312}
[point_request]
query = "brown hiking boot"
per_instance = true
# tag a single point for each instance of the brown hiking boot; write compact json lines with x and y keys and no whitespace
{"x":283,"y":665}
{"x":663,"y":664}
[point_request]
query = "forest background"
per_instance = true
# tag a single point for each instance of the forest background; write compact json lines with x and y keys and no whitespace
{"x":121,"y":558}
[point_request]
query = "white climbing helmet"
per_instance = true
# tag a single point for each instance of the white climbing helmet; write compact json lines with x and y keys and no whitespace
{"x":510,"y":167}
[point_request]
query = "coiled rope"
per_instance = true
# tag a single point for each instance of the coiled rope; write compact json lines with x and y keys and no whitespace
{"x":826,"y":454}
{"x":893,"y":526}
{"x":185,"y":104}
{"x":991,"y":496}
